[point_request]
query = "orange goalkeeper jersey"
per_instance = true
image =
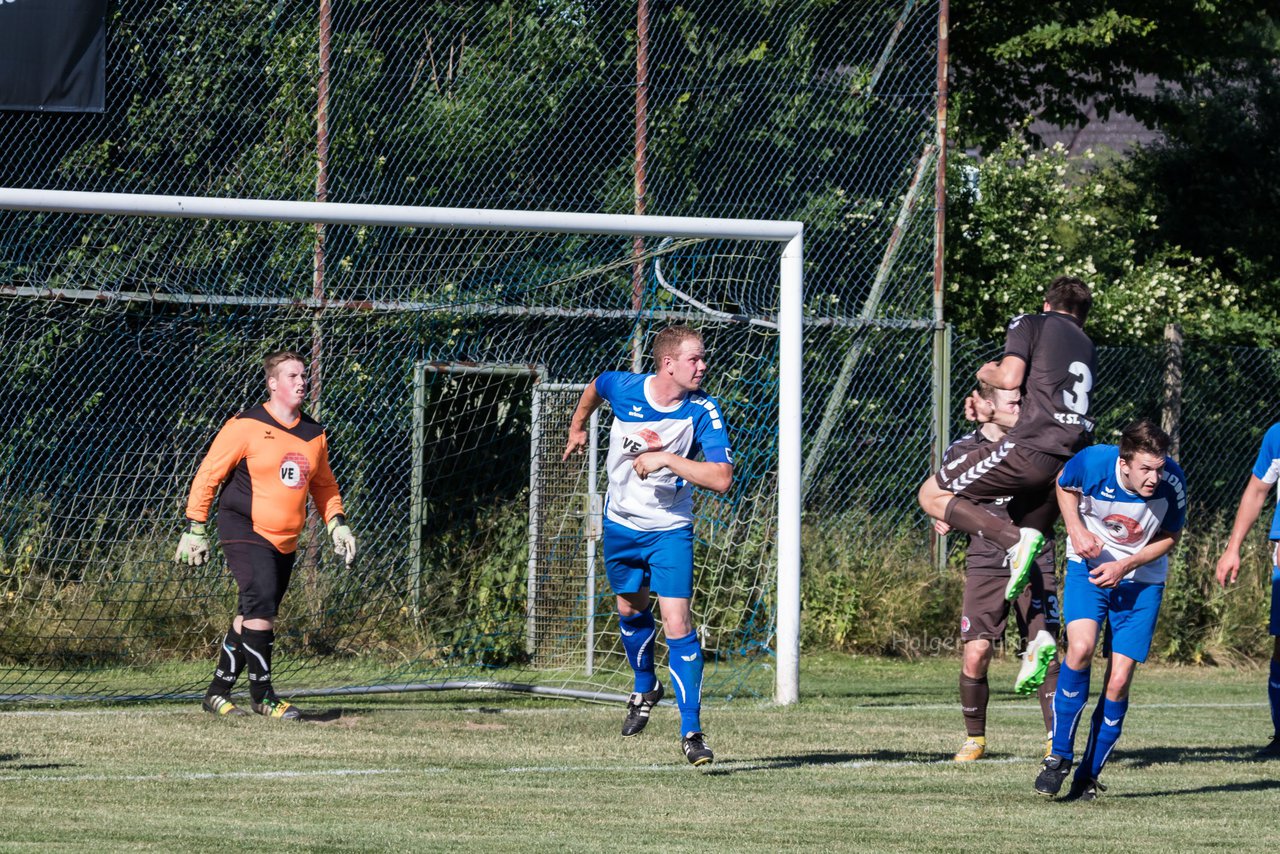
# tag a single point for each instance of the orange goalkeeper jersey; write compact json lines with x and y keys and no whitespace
{"x":265,"y":469}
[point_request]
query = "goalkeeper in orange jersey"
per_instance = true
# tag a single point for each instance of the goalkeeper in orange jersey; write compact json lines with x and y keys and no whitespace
{"x":265,"y":460}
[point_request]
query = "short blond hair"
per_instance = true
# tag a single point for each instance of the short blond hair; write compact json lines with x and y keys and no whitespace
{"x":668,"y":341}
{"x":275,"y":359}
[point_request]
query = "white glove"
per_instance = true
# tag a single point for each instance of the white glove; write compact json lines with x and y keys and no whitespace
{"x":344,"y":542}
{"x":193,"y":547}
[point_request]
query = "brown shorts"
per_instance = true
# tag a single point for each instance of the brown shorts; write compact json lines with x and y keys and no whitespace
{"x":999,"y":470}
{"x":985,"y":612}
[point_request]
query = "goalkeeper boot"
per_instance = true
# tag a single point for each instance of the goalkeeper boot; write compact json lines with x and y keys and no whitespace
{"x":973,"y":749}
{"x":1084,"y":788}
{"x":1035,"y":663}
{"x":1271,"y":751}
{"x":638,"y":708}
{"x":274,"y":707}
{"x":695,"y":749}
{"x":1052,"y":774}
{"x":221,"y":705}
{"x":1022,"y":557}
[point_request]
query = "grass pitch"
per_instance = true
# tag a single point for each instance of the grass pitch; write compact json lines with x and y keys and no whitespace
{"x":862,"y":763}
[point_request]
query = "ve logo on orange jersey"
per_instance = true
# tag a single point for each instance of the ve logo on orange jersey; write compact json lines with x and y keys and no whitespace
{"x":294,"y":470}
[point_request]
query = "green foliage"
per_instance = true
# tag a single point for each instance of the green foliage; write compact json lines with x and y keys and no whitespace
{"x":1019,"y":217}
{"x":875,"y":594}
{"x":1212,"y":179}
{"x":1200,"y":621}
{"x":1054,"y":60}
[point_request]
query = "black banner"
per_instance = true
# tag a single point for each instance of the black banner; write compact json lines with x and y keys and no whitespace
{"x":53,"y":55}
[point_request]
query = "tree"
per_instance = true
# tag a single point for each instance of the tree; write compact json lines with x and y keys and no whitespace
{"x":1053,"y":60}
{"x":1213,"y":181}
{"x":1019,"y":217}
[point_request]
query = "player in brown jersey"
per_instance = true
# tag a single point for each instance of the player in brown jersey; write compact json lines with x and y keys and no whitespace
{"x":265,"y":460}
{"x":1051,"y":359}
{"x":985,"y":611}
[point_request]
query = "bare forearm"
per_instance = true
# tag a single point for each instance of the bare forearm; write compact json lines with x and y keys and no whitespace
{"x":1255,"y":495}
{"x":1069,"y":507}
{"x":587,"y":404}
{"x":1160,"y":545}
{"x":1007,"y":373}
{"x":717,"y":477}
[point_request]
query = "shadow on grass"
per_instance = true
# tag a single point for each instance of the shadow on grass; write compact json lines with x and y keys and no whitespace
{"x":321,"y":717}
{"x":1225,"y":788}
{"x":825,"y":758}
{"x":6,"y":758}
{"x":1149,"y":756}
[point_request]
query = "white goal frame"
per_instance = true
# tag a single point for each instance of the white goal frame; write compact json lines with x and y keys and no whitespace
{"x":789,"y":234}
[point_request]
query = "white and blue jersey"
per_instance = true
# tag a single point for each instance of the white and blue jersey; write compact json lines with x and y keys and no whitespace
{"x":1123,"y":520}
{"x":662,"y":501}
{"x":1267,"y":470}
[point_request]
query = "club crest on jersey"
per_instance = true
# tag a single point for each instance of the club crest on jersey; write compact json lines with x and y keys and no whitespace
{"x":1122,"y":529}
{"x":294,"y":470}
{"x":641,"y":441}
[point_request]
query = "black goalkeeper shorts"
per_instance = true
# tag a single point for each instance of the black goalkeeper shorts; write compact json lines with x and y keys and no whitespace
{"x":262,"y":574}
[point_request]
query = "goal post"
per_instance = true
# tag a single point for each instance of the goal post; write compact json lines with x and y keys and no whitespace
{"x":786,"y":236}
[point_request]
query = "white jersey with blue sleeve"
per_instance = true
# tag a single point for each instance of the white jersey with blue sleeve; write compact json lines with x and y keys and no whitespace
{"x":1124,"y":520}
{"x":663,"y":501}
{"x":1267,"y":470}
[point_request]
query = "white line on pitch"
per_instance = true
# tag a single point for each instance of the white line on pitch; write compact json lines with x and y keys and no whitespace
{"x":750,"y":765}
{"x":212,"y":775}
{"x":1009,"y":706}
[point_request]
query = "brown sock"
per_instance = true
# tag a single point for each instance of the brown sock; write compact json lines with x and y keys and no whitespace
{"x":1046,"y":694}
{"x":978,"y":522}
{"x":974,"y":694}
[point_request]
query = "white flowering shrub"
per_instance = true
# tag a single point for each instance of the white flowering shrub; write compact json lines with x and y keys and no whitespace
{"x":1018,"y":217}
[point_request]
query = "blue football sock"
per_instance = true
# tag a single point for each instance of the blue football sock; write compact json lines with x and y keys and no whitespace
{"x":1104,"y":733}
{"x":1273,"y":693}
{"x":685,"y":659}
{"x":637,"y":640}
{"x":1068,"y":702}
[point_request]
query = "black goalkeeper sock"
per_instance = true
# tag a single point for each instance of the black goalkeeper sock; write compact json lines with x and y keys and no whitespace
{"x":230,"y":663}
{"x":257,"y":652}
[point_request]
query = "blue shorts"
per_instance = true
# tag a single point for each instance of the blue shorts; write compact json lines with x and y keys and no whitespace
{"x":1275,"y":601}
{"x":1130,"y":609}
{"x":659,"y":560}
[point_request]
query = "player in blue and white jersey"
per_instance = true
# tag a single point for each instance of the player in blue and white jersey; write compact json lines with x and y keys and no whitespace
{"x":1266,"y":473}
{"x":661,"y":423}
{"x":1124,"y":508}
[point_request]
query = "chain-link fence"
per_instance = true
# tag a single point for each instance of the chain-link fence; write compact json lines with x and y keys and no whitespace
{"x":129,"y":340}
{"x":1205,"y":395}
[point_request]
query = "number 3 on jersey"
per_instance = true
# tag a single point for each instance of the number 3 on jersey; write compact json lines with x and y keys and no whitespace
{"x":1076,"y":398}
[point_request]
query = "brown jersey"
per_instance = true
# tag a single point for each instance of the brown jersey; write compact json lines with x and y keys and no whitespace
{"x":1056,"y":391}
{"x":265,"y":469}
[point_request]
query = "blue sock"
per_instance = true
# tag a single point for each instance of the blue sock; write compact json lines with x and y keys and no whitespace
{"x":685,"y":660}
{"x":637,"y":639}
{"x":1273,"y":693}
{"x":1104,"y":733}
{"x":1068,"y":702}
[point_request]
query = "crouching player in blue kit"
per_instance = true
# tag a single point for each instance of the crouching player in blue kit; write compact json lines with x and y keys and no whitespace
{"x":661,"y":423}
{"x":1124,"y":508}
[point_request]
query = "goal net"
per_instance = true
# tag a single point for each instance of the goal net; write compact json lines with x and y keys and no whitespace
{"x":447,"y":351}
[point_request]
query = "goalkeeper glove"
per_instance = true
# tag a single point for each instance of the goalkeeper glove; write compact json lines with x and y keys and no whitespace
{"x":344,"y":542}
{"x":193,"y":548}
